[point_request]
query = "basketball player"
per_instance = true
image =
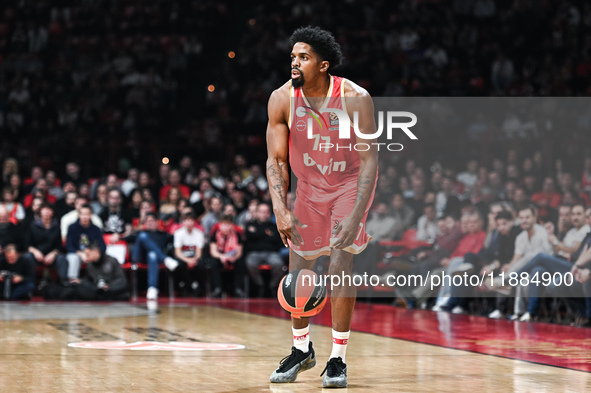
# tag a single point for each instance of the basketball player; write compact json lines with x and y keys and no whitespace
{"x":335,"y":187}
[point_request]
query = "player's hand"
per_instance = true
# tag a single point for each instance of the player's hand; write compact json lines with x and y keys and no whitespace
{"x":191,"y":262}
{"x":49,"y":258}
{"x":347,"y":229}
{"x":505,"y":267}
{"x":549,"y":226}
{"x":38,"y":255}
{"x":444,"y":262}
{"x":287,"y":224}
{"x":583,"y":275}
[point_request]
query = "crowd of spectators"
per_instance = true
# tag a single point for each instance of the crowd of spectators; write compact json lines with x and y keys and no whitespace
{"x":192,"y":219}
{"x":506,"y":217}
{"x":109,"y":89}
{"x":130,"y":80}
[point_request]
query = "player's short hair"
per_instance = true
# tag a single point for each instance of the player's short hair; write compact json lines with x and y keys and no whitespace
{"x":227,"y":218}
{"x":478,"y":214}
{"x":321,"y":41}
{"x":264,"y":204}
{"x":188,"y":215}
{"x":454,"y":215}
{"x":46,"y":205}
{"x":578,"y":203}
{"x":504,"y":215}
{"x":529,"y":207}
{"x":86,"y":206}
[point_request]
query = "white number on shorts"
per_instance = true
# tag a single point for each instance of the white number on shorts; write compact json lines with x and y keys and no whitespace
{"x":360,"y":230}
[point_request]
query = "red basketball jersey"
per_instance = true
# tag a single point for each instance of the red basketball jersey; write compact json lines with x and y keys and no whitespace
{"x":314,"y":160}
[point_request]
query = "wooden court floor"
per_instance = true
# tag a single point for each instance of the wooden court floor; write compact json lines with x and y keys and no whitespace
{"x":202,"y":346}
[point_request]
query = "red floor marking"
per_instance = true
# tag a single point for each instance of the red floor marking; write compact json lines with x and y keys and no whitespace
{"x":554,"y":345}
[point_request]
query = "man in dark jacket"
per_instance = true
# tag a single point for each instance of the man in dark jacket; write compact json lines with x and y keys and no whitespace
{"x":81,"y":235}
{"x":43,"y":242}
{"x":499,"y":252}
{"x":263,"y":245}
{"x":16,"y":272}
{"x":104,"y":279}
{"x":116,"y":219}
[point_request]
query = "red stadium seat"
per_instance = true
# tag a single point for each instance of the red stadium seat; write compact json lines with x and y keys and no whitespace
{"x":122,"y":248}
{"x":408,"y":243}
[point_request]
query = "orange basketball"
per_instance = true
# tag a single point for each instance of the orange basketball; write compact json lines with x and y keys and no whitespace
{"x":302,"y":293}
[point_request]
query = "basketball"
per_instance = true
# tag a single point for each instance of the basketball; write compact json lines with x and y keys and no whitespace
{"x":302,"y":293}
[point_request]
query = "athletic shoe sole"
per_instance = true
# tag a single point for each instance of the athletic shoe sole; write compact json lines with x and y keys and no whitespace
{"x":292,"y":374}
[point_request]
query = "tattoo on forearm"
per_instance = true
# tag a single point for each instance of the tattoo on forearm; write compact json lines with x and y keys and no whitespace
{"x":277,"y":180}
{"x":363,"y":188}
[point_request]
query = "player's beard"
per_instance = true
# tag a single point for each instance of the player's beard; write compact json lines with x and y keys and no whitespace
{"x":298,"y":82}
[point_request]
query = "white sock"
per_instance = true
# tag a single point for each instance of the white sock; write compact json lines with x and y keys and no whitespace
{"x":301,"y":338}
{"x":339,"y":344}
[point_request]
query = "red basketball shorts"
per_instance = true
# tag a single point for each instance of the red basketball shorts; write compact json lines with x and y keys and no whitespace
{"x":321,"y":211}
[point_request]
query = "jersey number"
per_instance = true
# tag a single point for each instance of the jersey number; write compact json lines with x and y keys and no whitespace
{"x":325,"y":142}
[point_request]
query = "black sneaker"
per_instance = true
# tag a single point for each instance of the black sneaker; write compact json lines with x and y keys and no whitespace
{"x":336,"y":374}
{"x":239,"y":293}
{"x":216,"y":294}
{"x":293,"y":364}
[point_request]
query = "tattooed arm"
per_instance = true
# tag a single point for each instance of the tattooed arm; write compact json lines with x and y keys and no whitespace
{"x":277,"y":167}
{"x":358,"y":100}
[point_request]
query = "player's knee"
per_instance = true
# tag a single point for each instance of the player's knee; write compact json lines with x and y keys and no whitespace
{"x":251,"y":260}
{"x":339,"y":266}
{"x":152,"y":256}
{"x":275,"y":260}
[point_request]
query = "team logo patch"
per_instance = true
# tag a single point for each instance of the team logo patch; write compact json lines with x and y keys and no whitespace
{"x":156,"y":346}
{"x":318,"y":241}
{"x":334,"y":119}
{"x":301,"y":125}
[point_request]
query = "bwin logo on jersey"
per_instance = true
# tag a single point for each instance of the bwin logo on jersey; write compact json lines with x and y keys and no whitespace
{"x":333,"y":166}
